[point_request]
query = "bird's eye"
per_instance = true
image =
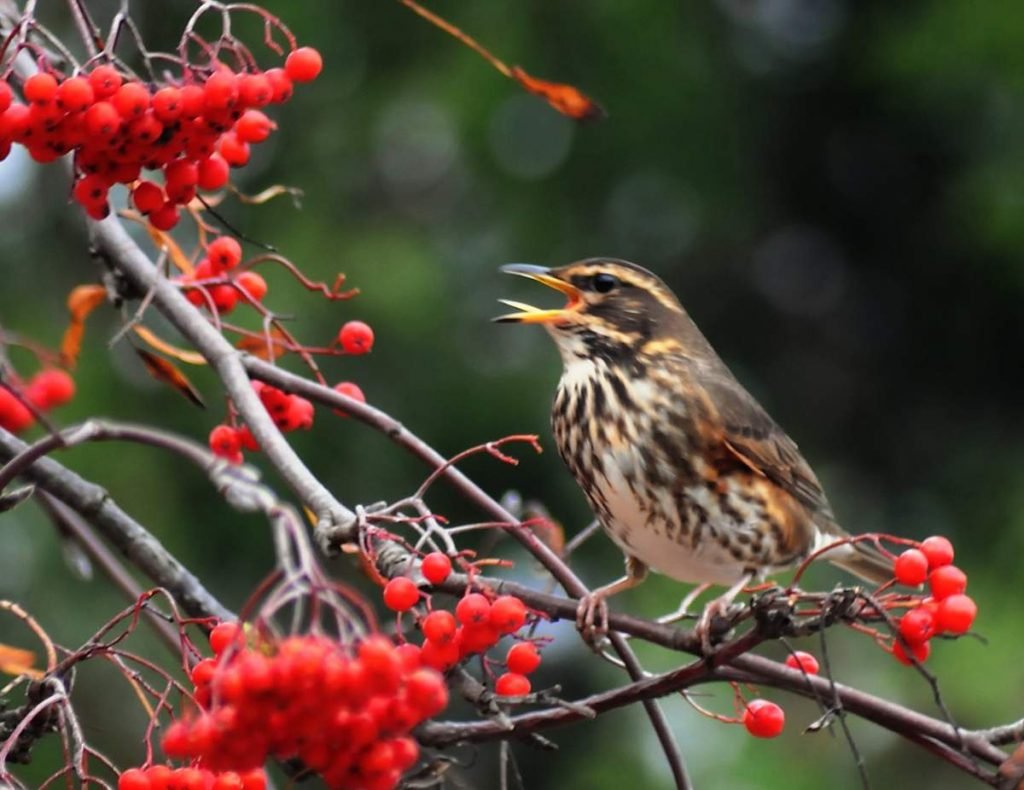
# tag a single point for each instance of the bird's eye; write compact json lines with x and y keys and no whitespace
{"x":604,"y":282}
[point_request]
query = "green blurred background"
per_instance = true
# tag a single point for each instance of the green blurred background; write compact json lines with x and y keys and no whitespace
{"x":835,"y":191}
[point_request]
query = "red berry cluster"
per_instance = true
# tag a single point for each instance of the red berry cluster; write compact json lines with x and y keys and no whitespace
{"x":193,"y":131}
{"x":213,"y":283}
{"x":289,"y":412}
{"x":46,"y":390}
{"x":346,"y":713}
{"x":477,"y":624}
{"x":162,"y":777}
{"x":946,"y":611}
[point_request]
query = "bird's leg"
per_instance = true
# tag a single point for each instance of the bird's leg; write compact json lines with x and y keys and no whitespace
{"x":683,"y":610}
{"x":592,"y":605}
{"x":718,"y":607}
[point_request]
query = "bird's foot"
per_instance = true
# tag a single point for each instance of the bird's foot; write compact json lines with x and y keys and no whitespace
{"x":713,"y":625}
{"x":592,"y":618}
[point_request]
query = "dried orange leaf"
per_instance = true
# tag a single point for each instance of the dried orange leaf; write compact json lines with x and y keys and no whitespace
{"x":263,"y":347}
{"x":16,"y":661}
{"x":82,"y":300}
{"x":566,"y":99}
{"x":166,"y":371}
{"x":180,"y":354}
{"x":165,"y":241}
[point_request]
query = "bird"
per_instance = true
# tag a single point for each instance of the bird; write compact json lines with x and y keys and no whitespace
{"x":685,"y":471}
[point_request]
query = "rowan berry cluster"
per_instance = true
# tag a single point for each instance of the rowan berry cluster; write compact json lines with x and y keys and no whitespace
{"x":192,"y":131}
{"x":946,"y":611}
{"x":478,"y":623}
{"x":289,"y":413}
{"x":47,"y":389}
{"x":162,"y":777}
{"x":214,"y":283}
{"x":345,"y":712}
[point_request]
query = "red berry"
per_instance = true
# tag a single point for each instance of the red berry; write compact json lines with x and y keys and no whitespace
{"x":255,"y":90}
{"x":427,"y":692}
{"x":213,"y":172}
{"x":956,"y":614}
{"x":91,"y":190}
{"x":224,"y":441}
{"x":523,"y":658}
{"x":133,"y":779}
{"x":439,"y":626}
{"x":349,"y":390}
{"x":280,"y":84}
{"x":477,"y":638}
{"x":105,"y":80}
{"x":224,"y":253}
{"x":299,"y":415}
{"x":176,"y":740}
{"x":253,"y":284}
{"x":911,"y":567}
{"x":220,"y":91}
{"x":167,"y":104}
{"x":764,"y":719}
{"x":441,"y":656}
{"x":401,"y":594}
{"x":303,"y":65}
{"x":947,"y":580}
{"x":254,"y":127}
{"x":40,"y":88}
{"x":938,"y":550}
{"x":920,"y":651}
{"x":473,"y":609}
{"x":203,"y":672}
{"x":131,"y":100}
{"x":234,"y":150}
{"x":803,"y":661}
{"x":436,"y":567}
{"x":192,"y":101}
{"x":6,"y":96}
{"x":356,"y":337}
{"x":255,"y":779}
{"x":229,"y":780}
{"x":165,"y":217}
{"x":102,"y":120}
{"x":147,"y":197}
{"x":917,"y":625}
{"x":508,"y":614}
{"x":50,"y":388}
{"x":224,"y":297}
{"x":75,"y":94}
{"x":512,"y":684}
{"x":409,"y":655}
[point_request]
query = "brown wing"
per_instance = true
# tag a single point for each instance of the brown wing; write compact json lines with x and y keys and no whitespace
{"x":752,"y":438}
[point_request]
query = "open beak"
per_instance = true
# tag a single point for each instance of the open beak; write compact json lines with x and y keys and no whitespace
{"x":534,"y":315}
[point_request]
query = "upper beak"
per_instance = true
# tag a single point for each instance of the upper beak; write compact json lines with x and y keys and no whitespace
{"x":534,"y":315}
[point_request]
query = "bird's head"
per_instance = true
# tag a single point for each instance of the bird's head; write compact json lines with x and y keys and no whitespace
{"x":612,"y":306}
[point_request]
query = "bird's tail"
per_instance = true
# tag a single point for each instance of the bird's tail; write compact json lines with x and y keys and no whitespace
{"x":863,"y":559}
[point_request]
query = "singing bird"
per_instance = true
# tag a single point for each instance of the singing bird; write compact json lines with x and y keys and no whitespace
{"x":685,"y":471}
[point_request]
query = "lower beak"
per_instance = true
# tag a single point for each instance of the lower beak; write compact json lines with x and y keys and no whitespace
{"x":534,"y":315}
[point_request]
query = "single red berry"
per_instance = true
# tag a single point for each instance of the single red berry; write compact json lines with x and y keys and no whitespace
{"x":764,"y":719}
{"x":356,"y":337}
{"x":947,"y":580}
{"x":176,"y":740}
{"x":512,"y":684}
{"x":255,"y":779}
{"x":224,"y":441}
{"x":223,"y":636}
{"x":441,"y":656}
{"x":203,"y":672}
{"x":40,"y":88}
{"x":147,"y":196}
{"x":102,"y":120}
{"x":280,"y":84}
{"x":254,"y":127}
{"x":523,"y":658}
{"x":91,"y":189}
{"x":134,"y":779}
{"x":349,"y":390}
{"x":920,"y":651}
{"x":167,"y":104}
{"x":247,"y":439}
{"x":409,"y":655}
{"x":917,"y":625}
{"x":105,"y":80}
{"x":255,"y":90}
{"x":213,"y":172}
{"x":803,"y":661}
{"x":224,"y":297}
{"x":6,"y":96}
{"x":224,"y":253}
{"x":911,"y":567}
{"x":401,"y":594}
{"x":234,"y":150}
{"x":299,"y":415}
{"x":192,"y":97}
{"x":956,"y":614}
{"x":220,"y":91}
{"x":303,"y":65}
{"x":131,"y":100}
{"x":508,"y":614}
{"x":439,"y":626}
{"x":75,"y":94}
{"x":436,"y":567}
{"x":938,"y":550}
{"x":229,"y":780}
{"x":165,"y":217}
{"x":477,"y":638}
{"x":253,"y":284}
{"x":473,"y":609}
{"x":145,"y":129}
{"x":50,"y":388}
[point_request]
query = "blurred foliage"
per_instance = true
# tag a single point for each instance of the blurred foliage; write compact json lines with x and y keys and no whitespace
{"x":834,"y":189}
